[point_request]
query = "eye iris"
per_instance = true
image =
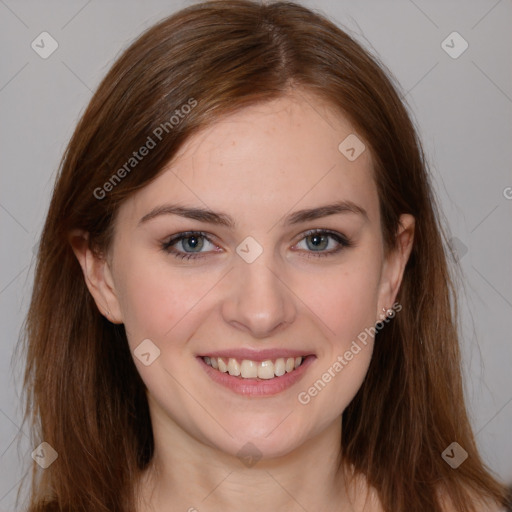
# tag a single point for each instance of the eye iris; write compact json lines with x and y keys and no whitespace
{"x":193,"y":242}
{"x":318,"y":242}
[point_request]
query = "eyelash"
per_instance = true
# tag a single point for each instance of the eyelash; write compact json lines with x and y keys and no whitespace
{"x":343,"y":242}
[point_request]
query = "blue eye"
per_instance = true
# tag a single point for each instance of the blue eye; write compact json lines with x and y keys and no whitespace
{"x":188,"y":245}
{"x":196,"y":244}
{"x":323,"y":243}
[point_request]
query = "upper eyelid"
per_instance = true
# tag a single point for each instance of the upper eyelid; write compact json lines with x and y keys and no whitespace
{"x":173,"y":239}
{"x":210,"y":236}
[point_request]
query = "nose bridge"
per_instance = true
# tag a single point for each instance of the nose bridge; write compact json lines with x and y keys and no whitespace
{"x":258,"y":299}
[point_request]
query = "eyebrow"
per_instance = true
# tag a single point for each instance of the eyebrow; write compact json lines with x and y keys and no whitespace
{"x":222,"y":219}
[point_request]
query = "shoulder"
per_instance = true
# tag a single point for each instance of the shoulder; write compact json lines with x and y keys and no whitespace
{"x":365,"y":498}
{"x":481,"y":504}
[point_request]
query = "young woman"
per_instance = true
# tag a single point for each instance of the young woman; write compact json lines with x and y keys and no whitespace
{"x":242,"y":298}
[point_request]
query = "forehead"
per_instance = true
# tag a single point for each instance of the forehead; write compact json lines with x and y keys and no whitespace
{"x":265,"y":160}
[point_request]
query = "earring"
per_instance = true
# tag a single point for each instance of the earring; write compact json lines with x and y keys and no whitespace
{"x":388,"y":312}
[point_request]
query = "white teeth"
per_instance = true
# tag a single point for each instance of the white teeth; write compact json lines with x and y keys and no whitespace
{"x":233,"y":367}
{"x":266,"y":370}
{"x":279,"y":367}
{"x":248,"y":369}
{"x":223,"y":367}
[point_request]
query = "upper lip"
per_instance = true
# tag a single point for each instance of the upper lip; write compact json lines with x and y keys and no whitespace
{"x":257,"y":355}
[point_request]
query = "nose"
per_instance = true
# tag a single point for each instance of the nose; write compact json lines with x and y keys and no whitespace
{"x":258,"y":301}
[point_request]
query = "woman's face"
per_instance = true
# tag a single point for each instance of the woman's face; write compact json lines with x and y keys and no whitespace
{"x":286,"y":260}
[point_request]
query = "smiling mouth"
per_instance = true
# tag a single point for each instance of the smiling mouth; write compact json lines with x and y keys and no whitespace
{"x":248,"y":369}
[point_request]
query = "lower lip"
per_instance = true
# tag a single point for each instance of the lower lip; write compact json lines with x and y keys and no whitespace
{"x":257,"y":387}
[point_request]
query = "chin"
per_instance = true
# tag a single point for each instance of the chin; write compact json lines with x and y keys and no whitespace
{"x":267,"y":438}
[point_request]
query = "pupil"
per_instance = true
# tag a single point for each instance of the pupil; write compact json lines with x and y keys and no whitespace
{"x":318,"y":241}
{"x":194,"y":242}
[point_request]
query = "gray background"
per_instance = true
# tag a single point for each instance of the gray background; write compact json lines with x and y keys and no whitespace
{"x":463,"y":108}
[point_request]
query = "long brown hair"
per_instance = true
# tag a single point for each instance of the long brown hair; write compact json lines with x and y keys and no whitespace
{"x":83,"y":393}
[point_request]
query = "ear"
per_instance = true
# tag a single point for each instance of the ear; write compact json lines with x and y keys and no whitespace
{"x":97,"y":275}
{"x":394,"y":264}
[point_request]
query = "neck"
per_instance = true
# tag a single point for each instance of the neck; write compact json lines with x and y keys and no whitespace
{"x":192,"y":476}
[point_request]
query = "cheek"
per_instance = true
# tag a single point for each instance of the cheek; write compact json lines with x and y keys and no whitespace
{"x":344,"y":299}
{"x":155,"y":298}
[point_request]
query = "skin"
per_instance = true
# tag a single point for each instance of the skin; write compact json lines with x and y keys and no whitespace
{"x":258,"y":166}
